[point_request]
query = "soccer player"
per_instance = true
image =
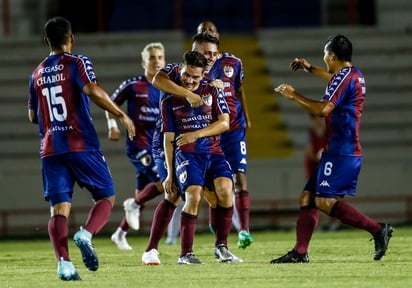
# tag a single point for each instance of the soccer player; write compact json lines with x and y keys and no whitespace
{"x":60,"y":90}
{"x":194,"y":156}
{"x":340,"y":164}
{"x":208,"y":27}
{"x":143,"y":107}
{"x":166,"y":80}
{"x":165,"y":209}
{"x":229,"y":69}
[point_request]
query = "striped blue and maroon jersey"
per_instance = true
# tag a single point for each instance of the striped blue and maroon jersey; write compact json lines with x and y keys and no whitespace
{"x":173,"y":71}
{"x":179,"y":117}
{"x":346,"y":90}
{"x":63,"y":110}
{"x":142,"y":107}
{"x":229,"y":69}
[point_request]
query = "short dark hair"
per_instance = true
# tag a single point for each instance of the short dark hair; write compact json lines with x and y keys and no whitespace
{"x":340,"y":46}
{"x":57,"y":31}
{"x":195,"y":59}
{"x":205,"y":37}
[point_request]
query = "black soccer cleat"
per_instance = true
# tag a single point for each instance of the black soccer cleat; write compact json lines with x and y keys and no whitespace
{"x":291,"y":257}
{"x":382,"y":240}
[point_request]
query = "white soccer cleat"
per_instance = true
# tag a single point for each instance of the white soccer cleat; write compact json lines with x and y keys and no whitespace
{"x":235,"y":259}
{"x":120,"y":240}
{"x":132,"y":211}
{"x":151,"y":257}
{"x":230,"y":257}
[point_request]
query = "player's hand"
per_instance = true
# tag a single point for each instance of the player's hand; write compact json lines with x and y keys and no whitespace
{"x":114,"y":134}
{"x":217,"y":83}
{"x":186,"y":138}
{"x":300,"y":63}
{"x":194,"y":99}
{"x":286,"y":90}
{"x":129,"y":125}
{"x":169,"y":186}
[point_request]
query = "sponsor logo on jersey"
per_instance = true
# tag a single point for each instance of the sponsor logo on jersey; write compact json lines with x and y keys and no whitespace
{"x":147,"y":109}
{"x":49,"y":69}
{"x":197,"y":118}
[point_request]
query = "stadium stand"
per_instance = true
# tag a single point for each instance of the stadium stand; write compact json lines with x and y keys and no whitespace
{"x":385,"y":59}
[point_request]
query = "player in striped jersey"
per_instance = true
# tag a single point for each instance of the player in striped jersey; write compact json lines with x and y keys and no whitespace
{"x":229,"y":69}
{"x":338,"y":170}
{"x":165,"y":79}
{"x":60,"y":90}
{"x":143,"y":107}
{"x":194,"y":155}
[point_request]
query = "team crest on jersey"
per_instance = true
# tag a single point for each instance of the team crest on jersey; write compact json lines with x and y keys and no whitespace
{"x":207,"y":99}
{"x":228,"y":70}
{"x":183,"y":177}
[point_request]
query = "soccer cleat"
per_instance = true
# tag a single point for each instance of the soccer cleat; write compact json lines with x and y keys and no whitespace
{"x":223,"y":254}
{"x":151,"y":257}
{"x":66,"y":271}
{"x":291,"y":257}
{"x":382,"y":240}
{"x":83,"y":240}
{"x":189,"y":258}
{"x":234,"y":259}
{"x":132,"y":211}
{"x":245,"y":239}
{"x":120,"y":240}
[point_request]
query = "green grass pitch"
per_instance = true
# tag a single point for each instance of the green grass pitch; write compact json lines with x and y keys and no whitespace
{"x":337,"y":259}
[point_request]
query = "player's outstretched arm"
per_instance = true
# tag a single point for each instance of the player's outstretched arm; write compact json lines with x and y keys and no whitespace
{"x":100,"y":97}
{"x":320,"y":108}
{"x":162,"y":82}
{"x":302,"y":63}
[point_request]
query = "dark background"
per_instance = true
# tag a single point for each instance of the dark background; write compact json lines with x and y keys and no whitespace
{"x":229,"y":15}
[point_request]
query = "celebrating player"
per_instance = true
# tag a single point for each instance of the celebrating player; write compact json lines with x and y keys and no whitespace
{"x":229,"y":69}
{"x":194,"y":156}
{"x":59,"y":102}
{"x":143,"y":107}
{"x":340,"y":164}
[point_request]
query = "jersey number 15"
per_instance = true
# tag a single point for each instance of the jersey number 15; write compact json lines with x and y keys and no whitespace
{"x":55,"y":103}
